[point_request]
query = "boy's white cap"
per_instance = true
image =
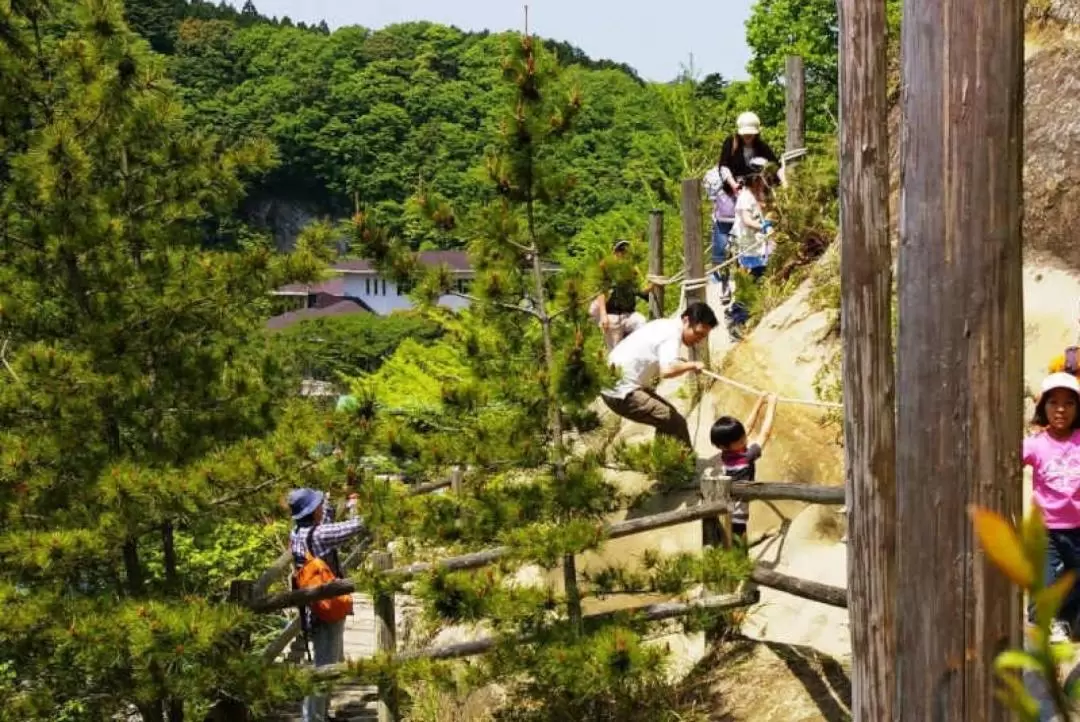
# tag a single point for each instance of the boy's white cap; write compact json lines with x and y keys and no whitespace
{"x":1060,"y":381}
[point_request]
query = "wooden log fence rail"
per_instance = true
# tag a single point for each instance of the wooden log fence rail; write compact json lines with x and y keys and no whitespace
{"x":263,"y":603}
{"x":715,"y":505}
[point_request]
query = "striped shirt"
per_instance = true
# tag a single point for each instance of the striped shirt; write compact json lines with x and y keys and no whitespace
{"x":327,"y":536}
{"x":741,"y":466}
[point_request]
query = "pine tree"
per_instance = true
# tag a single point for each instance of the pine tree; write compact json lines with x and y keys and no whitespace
{"x":519,"y":373}
{"x":137,"y":399}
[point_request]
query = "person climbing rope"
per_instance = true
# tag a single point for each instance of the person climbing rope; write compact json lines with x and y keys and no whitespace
{"x":614,"y":310}
{"x":743,"y":147}
{"x":313,"y":542}
{"x":739,"y":453}
{"x":651,"y":351}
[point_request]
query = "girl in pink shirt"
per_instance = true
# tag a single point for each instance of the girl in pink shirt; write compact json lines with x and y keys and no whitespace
{"x":1054,"y":456}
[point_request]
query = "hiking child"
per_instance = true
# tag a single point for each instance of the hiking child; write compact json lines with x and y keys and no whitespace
{"x":614,"y":310}
{"x":751,"y":230}
{"x":315,"y":537}
{"x":723,"y":194}
{"x":1054,"y":457}
{"x":652,"y":351}
{"x":739,"y":453}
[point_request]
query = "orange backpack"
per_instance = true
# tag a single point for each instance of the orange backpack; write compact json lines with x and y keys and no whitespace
{"x":315,"y":572}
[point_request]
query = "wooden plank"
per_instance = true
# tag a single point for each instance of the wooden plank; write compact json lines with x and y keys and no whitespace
{"x":274,"y":572}
{"x":694,"y":263}
{"x":960,"y":421}
{"x":868,"y":369}
{"x":431,"y":486}
{"x":781,"y":491}
{"x":386,"y":640}
{"x":795,"y":105}
{"x":814,"y":591}
{"x":715,"y":530}
{"x":656,"y":262}
{"x":649,"y":612}
{"x":483,"y":558}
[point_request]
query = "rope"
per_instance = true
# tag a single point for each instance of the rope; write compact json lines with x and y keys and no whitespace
{"x":694,"y":283}
{"x":758,"y":392}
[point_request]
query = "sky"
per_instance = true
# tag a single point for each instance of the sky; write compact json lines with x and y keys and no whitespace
{"x":655,"y":38}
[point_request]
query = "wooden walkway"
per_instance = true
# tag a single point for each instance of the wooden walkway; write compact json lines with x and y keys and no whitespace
{"x":349,"y":701}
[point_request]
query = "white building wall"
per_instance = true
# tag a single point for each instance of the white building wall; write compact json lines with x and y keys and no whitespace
{"x":382,"y":295}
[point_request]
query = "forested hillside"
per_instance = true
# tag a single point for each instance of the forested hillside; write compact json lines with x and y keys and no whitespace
{"x":378,"y":118}
{"x":149,"y":428}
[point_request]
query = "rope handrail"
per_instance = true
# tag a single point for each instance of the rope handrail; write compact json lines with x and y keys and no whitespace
{"x":780,"y":399}
{"x":693,"y":283}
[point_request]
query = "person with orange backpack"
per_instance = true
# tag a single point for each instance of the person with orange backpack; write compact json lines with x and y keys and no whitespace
{"x":314,"y":543}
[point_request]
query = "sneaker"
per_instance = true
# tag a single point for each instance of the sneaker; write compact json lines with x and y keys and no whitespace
{"x":1059,"y":632}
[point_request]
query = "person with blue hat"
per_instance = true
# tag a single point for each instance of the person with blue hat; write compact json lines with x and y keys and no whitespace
{"x":316,"y":531}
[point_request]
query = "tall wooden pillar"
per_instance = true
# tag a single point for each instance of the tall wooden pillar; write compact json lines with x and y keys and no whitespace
{"x":869,"y":372}
{"x":959,"y":421}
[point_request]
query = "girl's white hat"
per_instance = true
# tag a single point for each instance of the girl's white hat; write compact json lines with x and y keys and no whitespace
{"x":1060,"y":381}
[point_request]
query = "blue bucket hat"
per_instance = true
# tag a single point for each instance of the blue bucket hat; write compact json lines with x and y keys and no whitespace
{"x":304,"y":502}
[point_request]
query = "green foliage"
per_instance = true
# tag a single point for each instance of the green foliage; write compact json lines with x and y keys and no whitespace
{"x":607,"y":675}
{"x":718,"y":570}
{"x":664,"y":459}
{"x":810,"y":29}
{"x":396,"y":119}
{"x":330,"y":348}
{"x":137,"y":387}
{"x":1020,"y":553}
{"x":495,"y":396}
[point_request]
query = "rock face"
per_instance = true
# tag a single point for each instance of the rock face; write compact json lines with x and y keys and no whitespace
{"x":1052,"y":149}
{"x":1058,"y":11}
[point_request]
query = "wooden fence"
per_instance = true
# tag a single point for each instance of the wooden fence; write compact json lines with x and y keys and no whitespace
{"x":717,"y":497}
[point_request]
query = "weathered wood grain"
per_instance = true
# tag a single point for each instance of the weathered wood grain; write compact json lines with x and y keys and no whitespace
{"x":959,"y":421}
{"x":794,"y":104}
{"x":656,"y":263}
{"x":868,"y":369}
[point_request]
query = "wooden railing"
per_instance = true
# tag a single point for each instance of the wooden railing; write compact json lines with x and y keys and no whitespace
{"x":717,"y":497}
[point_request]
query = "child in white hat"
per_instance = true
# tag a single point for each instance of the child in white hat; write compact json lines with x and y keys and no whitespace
{"x":1053,"y":453}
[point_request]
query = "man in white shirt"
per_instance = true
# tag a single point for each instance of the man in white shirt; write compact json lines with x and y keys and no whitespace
{"x":653,"y":350}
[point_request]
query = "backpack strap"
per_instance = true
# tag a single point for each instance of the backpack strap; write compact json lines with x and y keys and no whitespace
{"x":1071,"y":365}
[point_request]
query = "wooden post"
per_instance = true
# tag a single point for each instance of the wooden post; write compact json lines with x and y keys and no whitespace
{"x":869,"y":372}
{"x":795,"y":106}
{"x":694,"y":262}
{"x":716,"y":530}
{"x":386,"y":639}
{"x":959,"y":349}
{"x":656,"y":262}
{"x":457,"y":476}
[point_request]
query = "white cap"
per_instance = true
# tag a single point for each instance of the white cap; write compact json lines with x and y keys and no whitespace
{"x":749,"y":124}
{"x":1060,"y":381}
{"x":758,"y":163}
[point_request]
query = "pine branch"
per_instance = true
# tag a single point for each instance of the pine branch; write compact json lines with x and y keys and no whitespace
{"x":261,"y":485}
{"x":500,"y":304}
{"x":3,"y":359}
